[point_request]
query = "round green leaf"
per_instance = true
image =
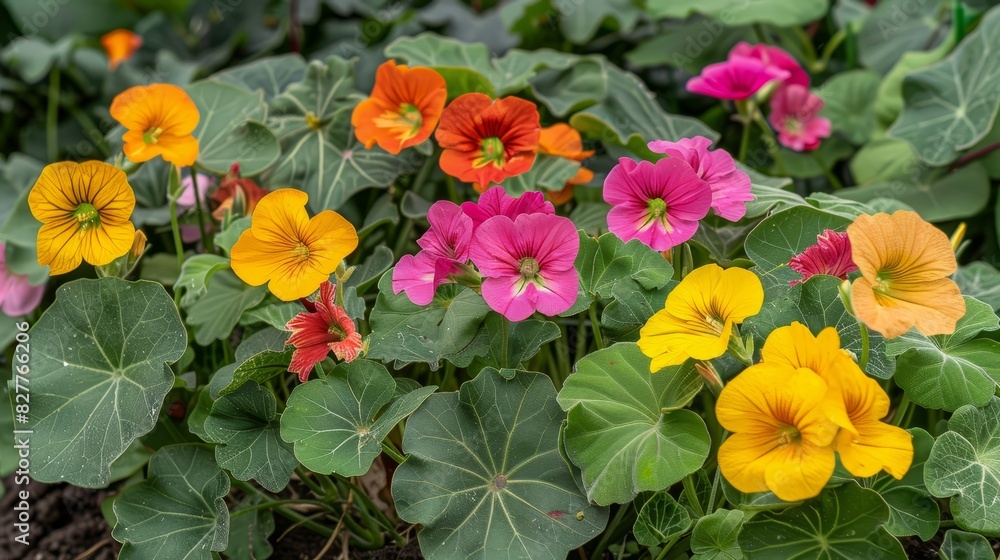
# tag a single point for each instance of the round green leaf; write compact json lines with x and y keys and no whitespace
{"x":981,"y":281}
{"x":959,"y":545}
{"x":271,"y":75}
{"x":660,"y":519}
{"x":216,"y":312}
{"x":485,"y":476}
{"x":231,"y":128}
{"x":99,"y":374}
{"x":850,"y":103}
{"x":332,"y":422}
{"x":965,"y":465}
{"x":607,"y":262}
{"x":912,"y":511}
{"x":896,"y":27}
{"x":843,"y":523}
{"x":626,"y":428}
{"x":716,"y":536}
{"x":178,"y":512}
{"x":778,"y":12}
{"x":244,"y":423}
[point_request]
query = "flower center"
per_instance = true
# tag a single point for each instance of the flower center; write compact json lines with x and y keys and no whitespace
{"x":529,"y":268}
{"x":657,"y":212}
{"x":407,"y":118}
{"x":493,"y":152}
{"x":152,"y":135}
{"x":87,"y":216}
{"x":337,"y":332}
{"x":301,"y":251}
{"x":715,"y":323}
{"x":883,"y":283}
{"x":313,"y":121}
{"x":789,"y":435}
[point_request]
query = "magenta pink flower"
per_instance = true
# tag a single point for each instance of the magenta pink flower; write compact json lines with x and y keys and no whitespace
{"x":830,"y":255}
{"x":527,"y":264}
{"x":323,"y":328}
{"x":730,"y":186}
{"x":736,"y":79}
{"x":17,"y":295}
{"x":205,"y":184}
{"x":496,"y":202}
{"x":445,"y":248}
{"x":659,"y":204}
{"x":772,"y":57}
{"x":795,"y":113}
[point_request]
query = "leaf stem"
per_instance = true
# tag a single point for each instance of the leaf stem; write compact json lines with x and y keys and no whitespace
{"x":865,"y":347}
{"x":206,"y":239}
{"x":275,"y":503}
{"x":692,"y":496}
{"x":595,"y":325}
{"x":283,"y":511}
{"x":52,"y":117}
{"x":390,"y":449}
{"x":504,"y":341}
{"x":418,"y":185}
{"x":834,"y":181}
{"x":901,"y":411}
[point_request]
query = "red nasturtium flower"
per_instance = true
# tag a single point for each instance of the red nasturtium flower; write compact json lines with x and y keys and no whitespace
{"x":120,"y":45}
{"x":234,"y":187}
{"x":323,"y":328}
{"x":403,"y":109}
{"x":486,"y":141}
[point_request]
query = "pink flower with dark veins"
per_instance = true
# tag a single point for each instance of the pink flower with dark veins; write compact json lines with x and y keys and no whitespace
{"x":830,"y":255}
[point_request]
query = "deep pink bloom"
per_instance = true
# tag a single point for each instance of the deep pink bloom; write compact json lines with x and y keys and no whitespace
{"x":445,"y":247}
{"x":772,"y":57}
{"x":317,"y":332}
{"x":659,"y":204}
{"x":795,"y":113}
{"x":730,"y":186}
{"x":205,"y":183}
{"x":496,"y":202}
{"x":736,"y":79}
{"x":17,"y":296}
{"x":527,"y":263}
{"x":830,"y":255}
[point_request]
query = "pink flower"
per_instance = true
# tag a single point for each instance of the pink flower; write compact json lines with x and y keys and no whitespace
{"x":730,"y":186}
{"x":323,"y":328}
{"x":830,"y":255}
{"x":496,"y":202}
{"x":186,"y":199}
{"x":736,"y":79}
{"x":774,"y":58}
{"x":445,"y":248}
{"x":659,"y":204}
{"x":527,"y":263}
{"x":795,"y":113}
{"x":17,"y":296}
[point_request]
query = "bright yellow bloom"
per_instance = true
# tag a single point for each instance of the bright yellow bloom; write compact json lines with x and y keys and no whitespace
{"x":84,"y":209}
{"x":697,"y":320}
{"x":291,"y":252}
{"x":782,"y":439}
{"x":160,"y":119}
{"x":905,"y":265}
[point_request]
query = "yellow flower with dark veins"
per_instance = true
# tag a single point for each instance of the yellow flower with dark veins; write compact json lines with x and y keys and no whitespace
{"x":160,"y":119}
{"x":286,"y":249}
{"x":855,"y":401}
{"x":905,"y":265}
{"x":84,"y":209}
{"x":782,"y":440}
{"x":697,"y":320}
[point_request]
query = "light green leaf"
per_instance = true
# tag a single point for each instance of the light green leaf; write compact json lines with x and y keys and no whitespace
{"x":630,"y":308}
{"x":965,"y":465}
{"x":443,"y":329}
{"x":228,"y":237}
{"x":563,"y":90}
{"x":771,"y":199}
{"x":660,"y":519}
{"x":485,"y":477}
{"x":672,"y":46}
{"x":322,"y":156}
{"x":716,"y":536}
{"x":465,"y":67}
{"x":889,"y":101}
{"x":259,"y":368}
{"x":231,"y":128}
{"x":256,"y":349}
{"x":548,"y":173}
{"x":981,"y":281}
{"x":332,"y":421}
{"x":178,"y":512}
{"x":273,"y":314}
{"x":843,"y":523}
{"x":607,"y":262}
{"x":626,"y":428}
{"x":524,"y":340}
{"x":850,"y":103}
{"x":948,"y":371}
{"x":896,"y":27}
{"x":195,"y":274}
{"x":959,"y":545}
{"x":582,"y":18}
{"x":949,"y":106}
{"x":270,"y":75}
{"x":99,"y":374}
{"x":215,"y":313}
{"x":244,"y":424}
{"x":782,"y":13}
{"x":912,"y":511}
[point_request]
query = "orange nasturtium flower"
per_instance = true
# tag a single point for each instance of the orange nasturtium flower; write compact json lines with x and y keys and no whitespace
{"x":563,"y":140}
{"x":486,"y":141}
{"x":698,"y":317}
{"x":403,"y":109}
{"x":160,"y":119}
{"x":905,"y":265}
{"x":120,"y":45}
{"x":866,"y":444}
{"x":286,"y":249}
{"x":84,"y":209}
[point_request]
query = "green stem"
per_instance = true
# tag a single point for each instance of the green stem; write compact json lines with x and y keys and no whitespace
{"x":834,"y":182}
{"x":692,"y":496}
{"x":744,"y":142}
{"x":958,"y":20}
{"x":602,"y":545}
{"x":865,"y":347}
{"x":418,"y":185}
{"x":52,"y":117}
{"x":285,"y":512}
{"x":206,"y":239}
{"x":904,"y":405}
{"x":831,"y":46}
{"x":308,"y":481}
{"x":667,"y":547}
{"x":390,"y":449}
{"x":504,"y":341}
{"x":715,"y":489}
{"x":449,"y":182}
{"x":595,"y":325}
{"x":275,"y":503}
{"x":807,"y":45}
{"x":380,"y":517}
{"x":178,"y":244}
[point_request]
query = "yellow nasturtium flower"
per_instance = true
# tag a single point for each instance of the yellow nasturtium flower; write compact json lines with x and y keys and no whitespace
{"x":160,"y":120}
{"x":286,"y":249}
{"x":905,"y":265}
{"x":697,"y":320}
{"x":84,"y":209}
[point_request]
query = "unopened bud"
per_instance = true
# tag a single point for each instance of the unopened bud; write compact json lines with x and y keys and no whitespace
{"x":138,"y":246}
{"x":711,"y":377}
{"x":845,"y":296}
{"x":957,"y":237}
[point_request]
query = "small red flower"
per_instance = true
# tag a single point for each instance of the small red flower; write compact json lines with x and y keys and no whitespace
{"x":316,"y":332}
{"x":830,"y":255}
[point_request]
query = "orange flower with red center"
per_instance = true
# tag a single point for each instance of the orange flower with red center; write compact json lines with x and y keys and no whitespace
{"x":120,"y":45}
{"x":403,"y":109}
{"x":563,"y":140}
{"x":486,"y":141}
{"x":160,"y":119}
